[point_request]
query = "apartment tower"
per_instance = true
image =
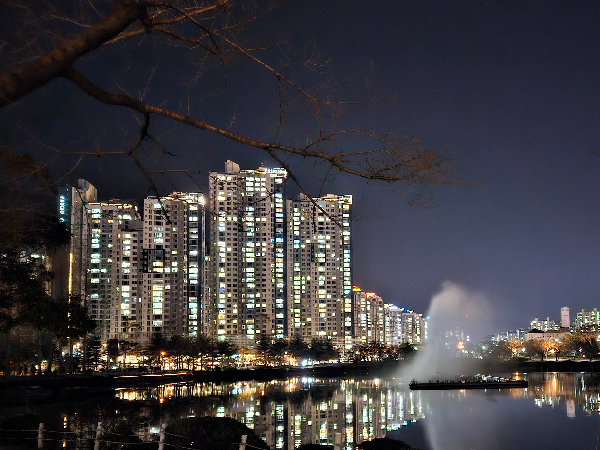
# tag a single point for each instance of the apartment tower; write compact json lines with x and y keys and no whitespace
{"x":565,"y":318}
{"x":70,"y":265}
{"x":319,"y":268}
{"x":369,"y":320}
{"x":143,"y":275}
{"x":246,"y":293}
{"x":114,"y":242}
{"x":172,"y":264}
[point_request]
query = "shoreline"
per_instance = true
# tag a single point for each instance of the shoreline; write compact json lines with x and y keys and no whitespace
{"x":382,"y":369}
{"x":100,"y":380}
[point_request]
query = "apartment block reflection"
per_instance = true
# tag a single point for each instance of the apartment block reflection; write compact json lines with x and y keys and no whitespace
{"x":286,"y":414}
{"x":358,"y":410}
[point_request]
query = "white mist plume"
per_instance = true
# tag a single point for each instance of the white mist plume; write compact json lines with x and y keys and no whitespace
{"x":453,"y":307}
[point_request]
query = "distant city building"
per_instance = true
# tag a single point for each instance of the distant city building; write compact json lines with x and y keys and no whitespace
{"x":455,"y":339}
{"x":541,"y":335}
{"x":587,"y":320}
{"x":392,"y":324}
{"x":370,"y":318}
{"x":546,"y":324}
{"x":565,"y":318}
{"x":246,"y":293}
{"x":518,"y":334}
{"x":376,"y":321}
{"x":414,"y":327}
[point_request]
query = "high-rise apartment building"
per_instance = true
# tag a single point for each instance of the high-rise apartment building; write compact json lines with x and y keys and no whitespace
{"x":127,"y":306}
{"x":319,"y":268}
{"x":546,"y":324}
{"x":70,"y":265}
{"x":414,"y":327}
{"x":565,"y":318}
{"x":246,"y":284}
{"x":274,"y":267}
{"x":376,"y":321}
{"x":392,"y":325}
{"x":112,"y":271}
{"x":369,"y":320}
{"x":172,"y":264}
{"x":136,"y":276}
{"x":587,"y":320}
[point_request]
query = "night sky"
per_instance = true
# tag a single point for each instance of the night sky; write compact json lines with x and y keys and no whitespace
{"x":511,"y":88}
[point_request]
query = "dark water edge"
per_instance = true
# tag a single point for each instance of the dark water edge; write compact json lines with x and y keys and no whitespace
{"x":62,"y":397}
{"x":383,"y":369}
{"x":39,"y":390}
{"x":549,"y":366}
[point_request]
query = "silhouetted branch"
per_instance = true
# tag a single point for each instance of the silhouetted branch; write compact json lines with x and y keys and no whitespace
{"x":209,"y":28}
{"x":22,"y":81}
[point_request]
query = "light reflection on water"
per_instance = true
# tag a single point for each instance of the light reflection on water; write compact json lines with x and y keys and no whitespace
{"x":297,"y":411}
{"x":556,"y":410}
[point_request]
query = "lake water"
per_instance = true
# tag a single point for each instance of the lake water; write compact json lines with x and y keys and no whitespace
{"x":557,"y":411}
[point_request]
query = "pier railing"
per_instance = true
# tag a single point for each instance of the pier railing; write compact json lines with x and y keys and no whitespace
{"x":100,"y":440}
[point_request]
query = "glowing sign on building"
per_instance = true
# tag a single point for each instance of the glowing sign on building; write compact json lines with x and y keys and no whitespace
{"x":64,"y":205}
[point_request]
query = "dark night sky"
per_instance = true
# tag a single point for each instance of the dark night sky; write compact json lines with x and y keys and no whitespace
{"x":511,"y":88}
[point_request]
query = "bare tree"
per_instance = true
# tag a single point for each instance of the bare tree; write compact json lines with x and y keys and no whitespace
{"x":46,"y":43}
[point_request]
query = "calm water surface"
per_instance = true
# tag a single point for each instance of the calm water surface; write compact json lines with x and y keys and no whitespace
{"x":557,"y":411}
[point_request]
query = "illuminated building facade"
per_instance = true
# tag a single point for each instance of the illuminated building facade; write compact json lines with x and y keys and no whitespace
{"x":554,"y":335}
{"x":136,"y":276}
{"x":518,"y":334}
{"x":274,"y":267}
{"x":319,"y":269}
{"x":546,"y":324}
{"x":127,"y":314}
{"x":70,"y":266}
{"x":587,"y":320}
{"x":392,"y":325}
{"x":110,"y":265}
{"x":246,"y":286}
{"x":369,"y":318}
{"x":376,"y":321}
{"x":172,"y":264}
{"x":414,"y":328}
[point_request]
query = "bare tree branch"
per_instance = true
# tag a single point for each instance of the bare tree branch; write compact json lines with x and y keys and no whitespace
{"x":420,"y":165}
{"x":295,"y":180}
{"x":22,"y":81}
{"x":210,"y":30}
